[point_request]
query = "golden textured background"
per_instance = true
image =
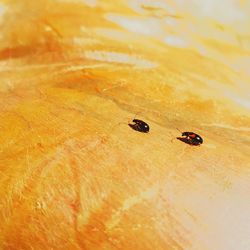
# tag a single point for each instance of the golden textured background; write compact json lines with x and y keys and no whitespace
{"x":73,"y":175}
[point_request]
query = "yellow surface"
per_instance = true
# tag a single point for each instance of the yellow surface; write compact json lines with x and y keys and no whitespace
{"x":74,"y":175}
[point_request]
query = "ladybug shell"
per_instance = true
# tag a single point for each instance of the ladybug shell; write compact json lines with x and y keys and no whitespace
{"x":192,"y":138}
{"x":140,"y":126}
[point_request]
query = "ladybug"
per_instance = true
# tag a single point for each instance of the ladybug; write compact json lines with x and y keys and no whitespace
{"x":140,"y":126}
{"x":191,"y":138}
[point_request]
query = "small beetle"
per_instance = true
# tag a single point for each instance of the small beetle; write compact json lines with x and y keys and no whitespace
{"x":140,"y":126}
{"x":191,"y":138}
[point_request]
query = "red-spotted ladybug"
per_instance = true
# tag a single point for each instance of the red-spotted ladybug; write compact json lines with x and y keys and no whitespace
{"x":191,"y":138}
{"x":140,"y":126}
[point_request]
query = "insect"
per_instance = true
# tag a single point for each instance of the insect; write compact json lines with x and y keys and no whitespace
{"x":191,"y":138}
{"x":140,"y":126}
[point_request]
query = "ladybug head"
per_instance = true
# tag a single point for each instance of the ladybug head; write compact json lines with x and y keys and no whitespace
{"x":185,"y":134}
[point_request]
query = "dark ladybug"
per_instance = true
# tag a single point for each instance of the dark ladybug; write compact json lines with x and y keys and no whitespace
{"x":191,"y":138}
{"x":140,"y":126}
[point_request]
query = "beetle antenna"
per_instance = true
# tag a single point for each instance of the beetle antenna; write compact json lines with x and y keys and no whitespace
{"x":179,"y":130}
{"x":137,"y":114}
